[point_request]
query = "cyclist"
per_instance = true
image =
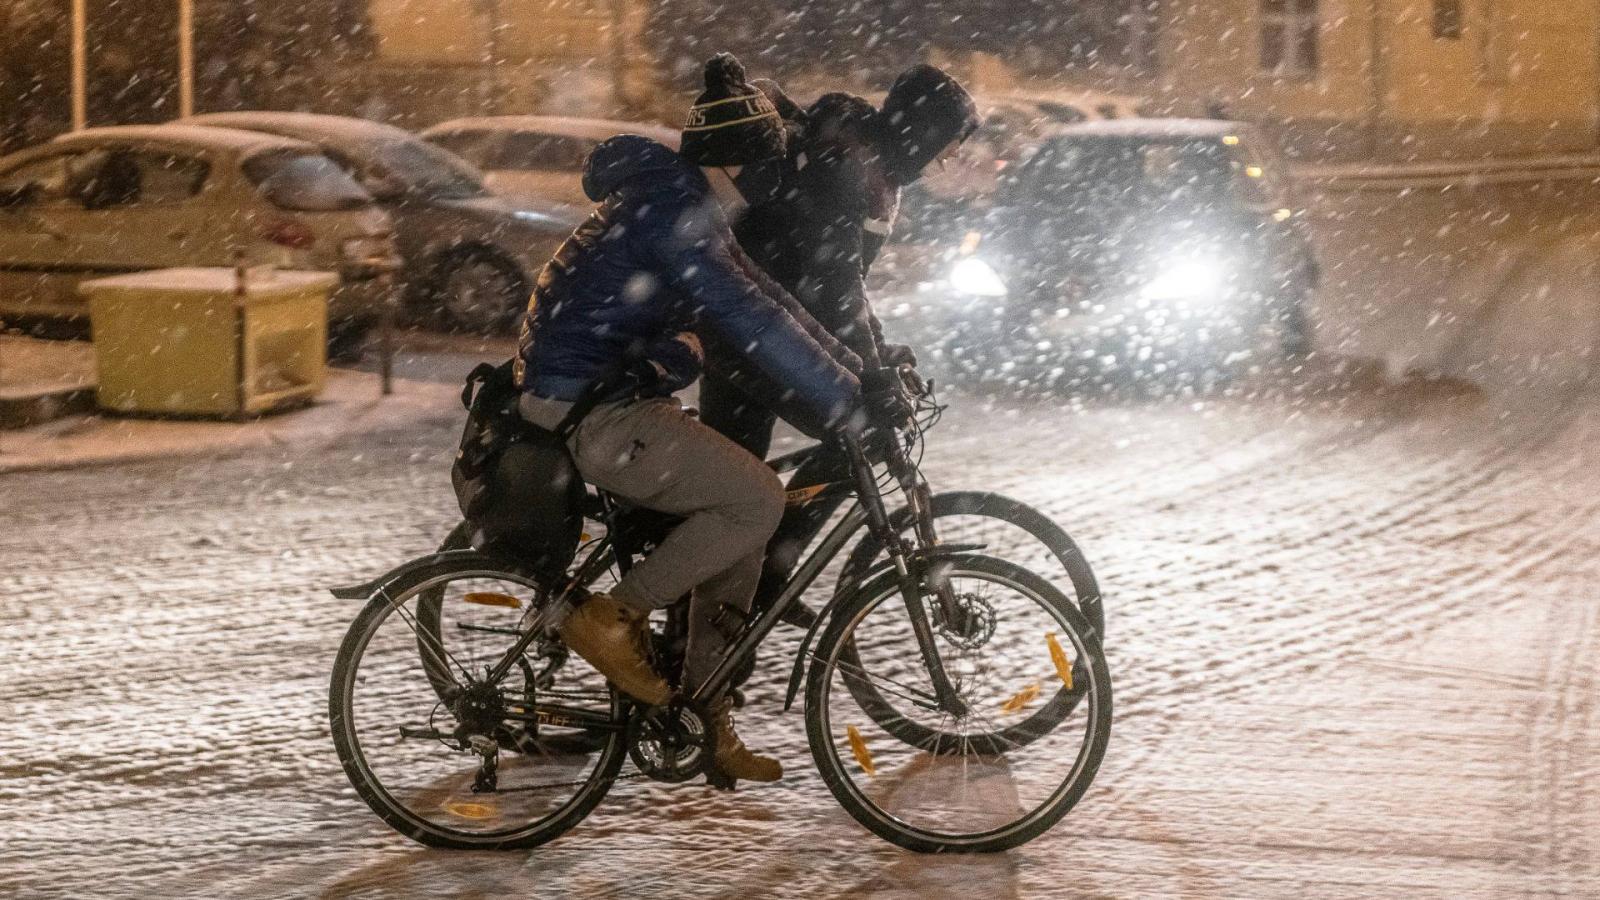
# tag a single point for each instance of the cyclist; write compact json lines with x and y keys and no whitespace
{"x":841,"y":187}
{"x":654,"y":263}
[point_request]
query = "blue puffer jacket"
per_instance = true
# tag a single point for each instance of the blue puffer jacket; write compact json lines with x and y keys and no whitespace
{"x":657,"y":258}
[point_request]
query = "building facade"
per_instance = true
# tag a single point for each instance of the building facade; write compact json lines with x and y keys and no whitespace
{"x":1390,"y":78}
{"x":436,"y":59}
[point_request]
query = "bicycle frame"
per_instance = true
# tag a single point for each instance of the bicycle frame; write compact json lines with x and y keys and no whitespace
{"x":869,"y":510}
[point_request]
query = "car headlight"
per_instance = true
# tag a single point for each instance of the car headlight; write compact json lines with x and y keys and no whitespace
{"x":1190,"y":280}
{"x":977,"y":278}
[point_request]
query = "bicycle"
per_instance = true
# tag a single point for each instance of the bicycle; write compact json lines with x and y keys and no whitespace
{"x":813,"y":498}
{"x":502,"y":721}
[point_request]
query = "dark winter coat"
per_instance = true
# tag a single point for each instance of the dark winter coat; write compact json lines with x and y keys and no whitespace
{"x":655,"y":259}
{"x":833,"y":213}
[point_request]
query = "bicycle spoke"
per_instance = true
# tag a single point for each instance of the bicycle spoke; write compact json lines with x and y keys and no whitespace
{"x":923,"y":699}
{"x":410,"y":620}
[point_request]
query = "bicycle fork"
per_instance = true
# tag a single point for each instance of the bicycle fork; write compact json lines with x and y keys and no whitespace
{"x":911,"y":572}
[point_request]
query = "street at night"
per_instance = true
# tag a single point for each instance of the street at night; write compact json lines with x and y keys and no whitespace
{"x":970,"y":449}
{"x":1349,"y":622}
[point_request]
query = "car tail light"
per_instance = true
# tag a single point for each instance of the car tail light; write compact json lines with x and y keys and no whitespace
{"x":289,"y":233}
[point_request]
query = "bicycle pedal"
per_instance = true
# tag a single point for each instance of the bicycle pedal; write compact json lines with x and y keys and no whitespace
{"x":720,"y":780}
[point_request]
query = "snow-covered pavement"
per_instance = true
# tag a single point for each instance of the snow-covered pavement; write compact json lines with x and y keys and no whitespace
{"x":1495,"y":283}
{"x":1354,"y":635}
{"x":1353,"y":627}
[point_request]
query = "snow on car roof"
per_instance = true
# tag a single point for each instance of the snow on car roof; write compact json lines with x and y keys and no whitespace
{"x":566,"y":126}
{"x":315,"y":127}
{"x":1154,"y":129}
{"x":1090,"y":100}
{"x":194,"y":135}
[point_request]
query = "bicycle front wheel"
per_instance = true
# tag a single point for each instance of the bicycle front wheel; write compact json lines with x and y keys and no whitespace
{"x":969,"y":784}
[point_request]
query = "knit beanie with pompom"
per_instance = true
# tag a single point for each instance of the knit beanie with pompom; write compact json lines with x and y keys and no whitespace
{"x":732,"y":123}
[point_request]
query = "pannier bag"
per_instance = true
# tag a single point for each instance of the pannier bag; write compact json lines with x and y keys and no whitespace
{"x":516,"y":483}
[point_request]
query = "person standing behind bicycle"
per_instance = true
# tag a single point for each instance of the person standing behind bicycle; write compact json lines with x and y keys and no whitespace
{"x":654,"y":263}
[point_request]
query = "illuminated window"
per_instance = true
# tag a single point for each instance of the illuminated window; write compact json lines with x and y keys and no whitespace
{"x":1494,"y":58}
{"x":1290,"y":32}
{"x":1447,"y":20}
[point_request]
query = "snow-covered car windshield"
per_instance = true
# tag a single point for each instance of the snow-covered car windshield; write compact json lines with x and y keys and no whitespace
{"x":304,"y":182}
{"x":1141,"y":172}
{"x":428,"y":171}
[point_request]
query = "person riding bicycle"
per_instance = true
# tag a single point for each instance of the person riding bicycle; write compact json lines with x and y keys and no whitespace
{"x":840,"y":193}
{"x":655,"y":263}
{"x":842,"y":177}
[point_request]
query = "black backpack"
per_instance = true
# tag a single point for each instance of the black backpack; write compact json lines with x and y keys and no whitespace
{"x":516,"y":482}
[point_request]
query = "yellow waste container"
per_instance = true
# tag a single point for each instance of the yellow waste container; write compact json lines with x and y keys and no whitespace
{"x":204,"y":342}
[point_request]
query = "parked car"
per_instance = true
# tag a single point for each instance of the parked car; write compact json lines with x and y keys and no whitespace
{"x":111,"y":200}
{"x":536,"y":158}
{"x":1157,"y":242}
{"x":469,"y":256}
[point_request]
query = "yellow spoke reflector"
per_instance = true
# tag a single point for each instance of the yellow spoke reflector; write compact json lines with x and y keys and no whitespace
{"x":470,"y":810}
{"x":1021,"y":698}
{"x":1059,"y":657}
{"x":485,"y":599}
{"x":858,"y":746}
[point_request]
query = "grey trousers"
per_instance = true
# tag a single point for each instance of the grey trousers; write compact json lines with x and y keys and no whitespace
{"x":655,"y":454}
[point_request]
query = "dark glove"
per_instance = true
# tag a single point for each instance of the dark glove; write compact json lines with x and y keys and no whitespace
{"x":867,"y":426}
{"x":899,"y":355}
{"x":885,"y":398}
{"x":670,"y":364}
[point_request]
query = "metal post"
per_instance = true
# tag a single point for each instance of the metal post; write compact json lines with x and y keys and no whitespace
{"x":80,"y":53}
{"x":489,"y":11}
{"x":619,"y":53}
{"x":185,"y":58}
{"x":386,"y":331}
{"x":1376,"y":76}
{"x":241,"y":298}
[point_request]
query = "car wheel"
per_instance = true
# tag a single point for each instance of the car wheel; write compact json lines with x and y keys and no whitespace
{"x":347,"y":339}
{"x":1293,"y":325}
{"x":480,"y":292}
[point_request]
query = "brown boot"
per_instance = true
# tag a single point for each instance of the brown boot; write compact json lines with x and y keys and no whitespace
{"x":614,"y":638}
{"x":733,"y":757}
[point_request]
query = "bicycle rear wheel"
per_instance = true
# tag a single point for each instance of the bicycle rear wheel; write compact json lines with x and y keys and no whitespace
{"x":970,"y":784}
{"x":1008,"y":529}
{"x":476,"y":763}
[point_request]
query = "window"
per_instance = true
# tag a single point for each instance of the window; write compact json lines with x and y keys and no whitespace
{"x":1447,"y":20}
{"x":476,"y":146}
{"x":1494,"y":60}
{"x":304,"y":182}
{"x":1141,"y":23}
{"x":532,"y":150}
{"x":423,"y":170}
{"x":167,"y":177}
{"x":44,"y":182}
{"x":1290,"y":31}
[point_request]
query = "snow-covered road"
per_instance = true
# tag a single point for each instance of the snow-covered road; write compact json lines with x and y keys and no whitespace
{"x":1353,"y":630}
{"x":1353,"y":625}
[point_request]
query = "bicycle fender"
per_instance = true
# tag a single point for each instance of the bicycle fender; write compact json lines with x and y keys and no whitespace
{"x":799,"y":670}
{"x":934,"y":555}
{"x":367,"y":589}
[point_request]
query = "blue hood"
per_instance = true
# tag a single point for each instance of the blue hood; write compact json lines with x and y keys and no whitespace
{"x":628,"y":156}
